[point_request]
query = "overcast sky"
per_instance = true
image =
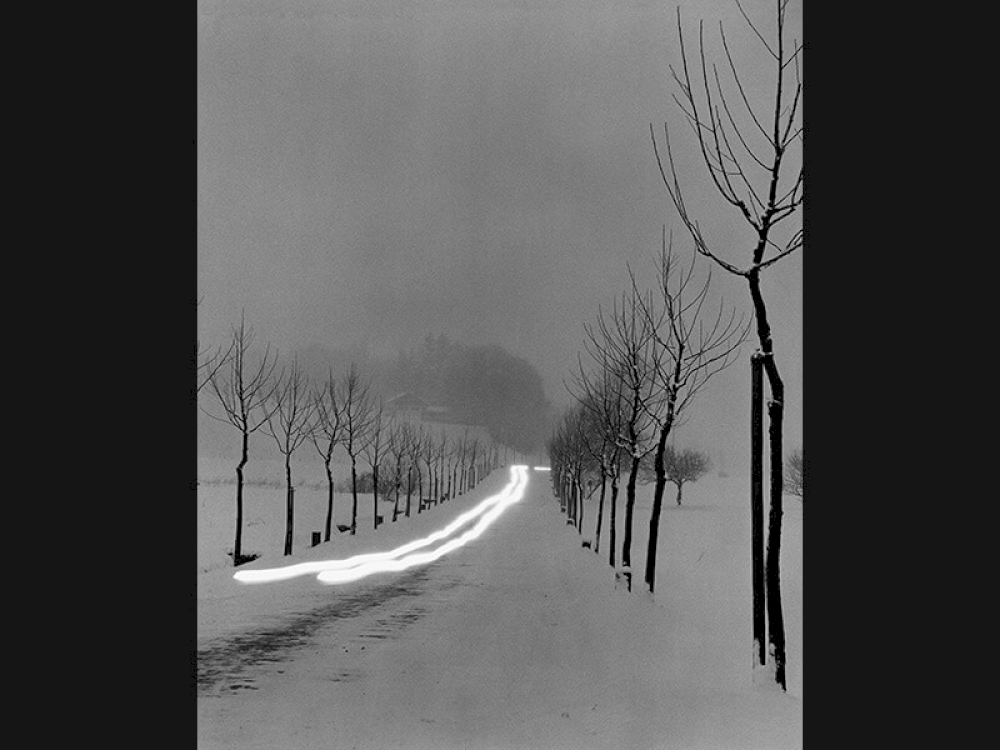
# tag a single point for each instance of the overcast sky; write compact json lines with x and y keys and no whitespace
{"x":373,"y":171}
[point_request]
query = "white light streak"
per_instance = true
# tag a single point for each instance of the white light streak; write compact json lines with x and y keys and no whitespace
{"x":543,"y":468}
{"x":360,"y":566}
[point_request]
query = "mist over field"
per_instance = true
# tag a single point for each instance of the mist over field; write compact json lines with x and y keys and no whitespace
{"x":370,"y":173}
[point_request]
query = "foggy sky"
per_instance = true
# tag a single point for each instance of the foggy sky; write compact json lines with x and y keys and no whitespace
{"x":370,"y":172}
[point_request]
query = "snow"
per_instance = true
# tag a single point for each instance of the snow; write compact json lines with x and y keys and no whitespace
{"x":518,"y":640}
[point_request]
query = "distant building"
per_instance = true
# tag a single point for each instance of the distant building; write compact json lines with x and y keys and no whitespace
{"x":412,"y":405}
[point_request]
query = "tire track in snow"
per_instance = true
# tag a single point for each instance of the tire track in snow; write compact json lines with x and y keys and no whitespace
{"x":224,"y":663}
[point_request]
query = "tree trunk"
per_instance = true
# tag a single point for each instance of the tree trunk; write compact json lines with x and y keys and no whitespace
{"x":775,"y":413}
{"x":613,"y":519}
{"x":654,"y":535}
{"x":290,"y":503}
{"x":569,"y":498}
{"x":654,"y":516}
{"x":629,"y":505}
{"x":600,"y":514}
{"x":409,"y":489}
{"x":420,"y":490}
{"x":581,"y":499}
{"x":329,"y":502}
{"x":574,"y":494}
{"x":680,"y":490}
{"x":757,"y":508}
{"x":375,"y":496}
{"x":244,"y":457}
{"x":775,"y":616}
{"x":354,"y":496}
{"x":395,"y":505}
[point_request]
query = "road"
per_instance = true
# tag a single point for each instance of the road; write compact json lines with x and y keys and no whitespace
{"x":467,"y":651}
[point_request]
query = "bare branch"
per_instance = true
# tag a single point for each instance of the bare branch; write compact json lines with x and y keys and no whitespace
{"x":673,"y":187}
{"x":755,"y":31}
{"x":739,"y":86}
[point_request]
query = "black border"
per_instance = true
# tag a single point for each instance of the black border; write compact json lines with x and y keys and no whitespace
{"x":867,"y":329}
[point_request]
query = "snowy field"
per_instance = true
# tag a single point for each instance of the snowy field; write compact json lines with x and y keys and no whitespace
{"x":703,"y":584}
{"x":264,"y":493}
{"x":264,"y":507}
{"x":535,"y":649}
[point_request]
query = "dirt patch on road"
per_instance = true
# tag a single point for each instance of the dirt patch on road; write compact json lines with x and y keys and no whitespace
{"x":222,"y":663}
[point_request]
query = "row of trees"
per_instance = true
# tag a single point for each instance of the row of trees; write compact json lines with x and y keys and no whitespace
{"x":646,"y":360}
{"x":252,"y":395}
{"x":580,"y":451}
{"x":749,"y":144}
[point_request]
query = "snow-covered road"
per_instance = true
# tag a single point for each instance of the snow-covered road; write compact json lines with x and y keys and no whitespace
{"x":517,"y":640}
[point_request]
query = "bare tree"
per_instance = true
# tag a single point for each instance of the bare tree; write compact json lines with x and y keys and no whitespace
{"x":690,"y":345}
{"x":795,"y":473}
{"x":556,"y":448}
{"x":425,"y":449}
{"x":401,"y":448}
{"x":397,"y":448}
{"x":744,"y":146}
{"x":622,"y":347}
{"x":374,"y":449}
{"x":440,"y":456}
{"x":557,"y":461}
{"x":326,"y":436}
{"x":418,"y":452}
{"x":602,"y":419}
{"x":451,"y":459}
{"x":592,"y":444}
{"x":609,"y":416}
{"x":570,"y":460}
{"x":683,"y":466}
{"x":356,"y":411}
{"x":413,"y":436}
{"x":574,"y":466}
{"x":463,"y":448}
{"x":473,"y":477}
{"x":428,"y":451}
{"x":601,"y":394}
{"x":243,"y":388}
{"x":290,"y":424}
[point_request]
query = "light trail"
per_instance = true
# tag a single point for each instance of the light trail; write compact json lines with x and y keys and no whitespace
{"x":360,"y":566}
{"x":543,"y":468}
{"x":422,"y":558}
